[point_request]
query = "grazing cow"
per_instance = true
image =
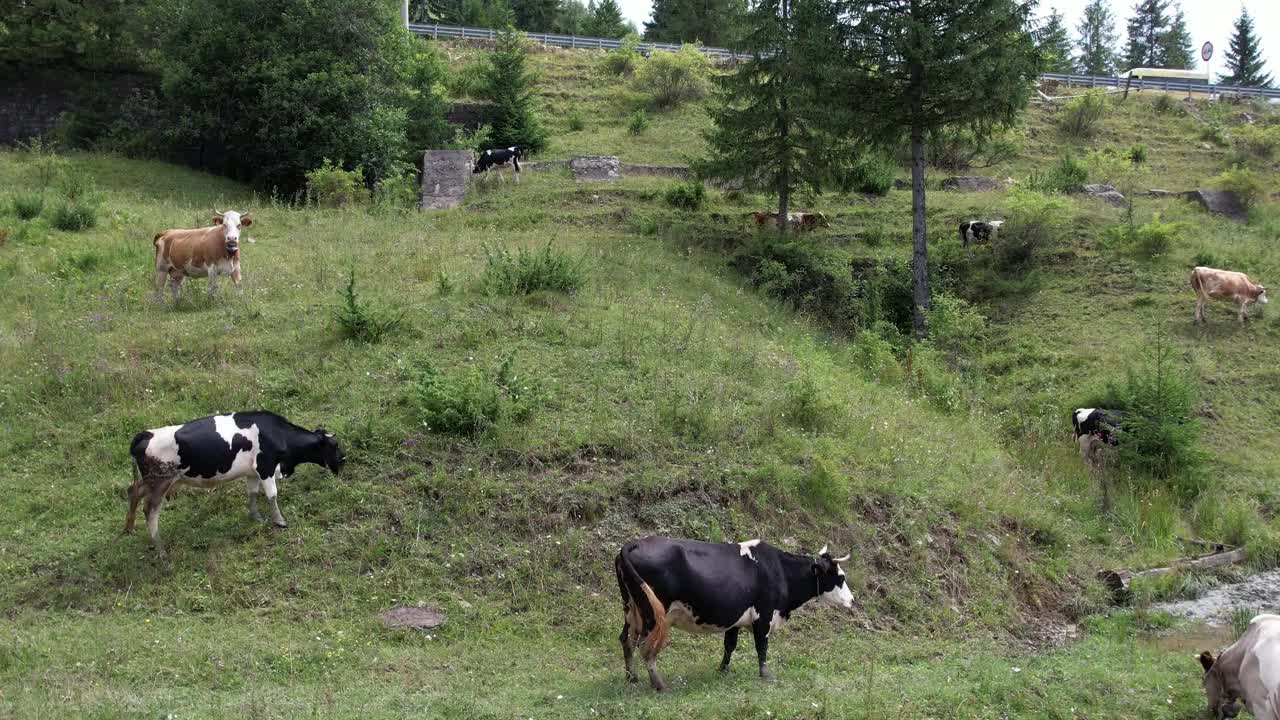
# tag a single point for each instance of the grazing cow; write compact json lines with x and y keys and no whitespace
{"x":1211,"y":284}
{"x":973,"y":231}
{"x":763,"y":218}
{"x":716,"y":588}
{"x":208,"y":251}
{"x":1249,"y":670}
{"x":807,"y":220}
{"x":260,"y":446}
{"x":1094,"y":429}
{"x":498,"y":158}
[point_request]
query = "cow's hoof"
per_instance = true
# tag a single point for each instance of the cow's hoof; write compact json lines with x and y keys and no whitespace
{"x":724,"y":669}
{"x":280,"y":524}
{"x":632,"y":679}
{"x":660,"y":688}
{"x":766,"y":676}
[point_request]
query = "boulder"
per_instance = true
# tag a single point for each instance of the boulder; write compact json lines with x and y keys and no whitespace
{"x":444,"y":178}
{"x":417,"y":618}
{"x":595,"y":167}
{"x":971,"y":183}
{"x":1106,"y":193}
{"x":1220,"y":202}
{"x":1160,"y":193}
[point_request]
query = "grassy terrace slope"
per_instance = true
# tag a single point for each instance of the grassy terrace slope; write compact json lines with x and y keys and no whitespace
{"x":675,"y":400}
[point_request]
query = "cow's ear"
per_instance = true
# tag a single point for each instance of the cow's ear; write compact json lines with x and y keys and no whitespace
{"x":246,"y":221}
{"x":1206,"y":660}
{"x":217,"y":219}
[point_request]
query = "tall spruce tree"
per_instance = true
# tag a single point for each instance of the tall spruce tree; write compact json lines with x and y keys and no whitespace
{"x":1175,"y":44}
{"x":509,"y":86}
{"x":1098,"y":38}
{"x":1149,"y":23}
{"x":1054,"y":43}
{"x":536,"y":15}
{"x":606,"y":20}
{"x":1244,"y":57}
{"x":915,"y":66}
{"x":773,"y":114}
{"x":711,"y":22}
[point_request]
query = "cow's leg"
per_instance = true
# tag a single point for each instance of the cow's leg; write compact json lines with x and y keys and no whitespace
{"x":651,"y":662}
{"x":252,"y":487}
{"x":213,"y":281}
{"x":269,"y":486}
{"x":730,"y":643}
{"x":136,"y":491}
{"x":628,"y":652}
{"x":517,"y":177}
{"x":235,"y":278}
{"x":175,"y":286}
{"x":1244,"y":310}
{"x":161,"y":277}
{"x":155,"y":501}
{"x":761,"y":631}
{"x":1199,"y":309}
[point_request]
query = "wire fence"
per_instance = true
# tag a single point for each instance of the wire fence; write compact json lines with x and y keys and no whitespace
{"x":454,"y":32}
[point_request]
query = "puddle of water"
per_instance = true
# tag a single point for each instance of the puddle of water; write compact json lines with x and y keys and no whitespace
{"x":1257,"y":593}
{"x":1194,"y":639}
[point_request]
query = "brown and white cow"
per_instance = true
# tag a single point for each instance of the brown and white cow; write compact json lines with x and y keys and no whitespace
{"x":807,"y":220}
{"x":1249,"y":670}
{"x":201,"y":252}
{"x":1211,"y":284}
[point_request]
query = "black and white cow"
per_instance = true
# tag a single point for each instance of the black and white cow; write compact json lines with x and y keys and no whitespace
{"x":497,"y":158}
{"x":1095,"y":428}
{"x":716,"y":588}
{"x":973,"y":231}
{"x":260,"y":446}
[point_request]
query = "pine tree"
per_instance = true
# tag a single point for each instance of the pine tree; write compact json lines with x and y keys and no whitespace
{"x":711,"y":22}
{"x":1097,"y":40}
{"x":1244,"y":57}
{"x":1054,"y":43}
{"x":773,"y":113}
{"x":509,"y":86}
{"x":916,"y":66}
{"x":536,"y":15}
{"x":1149,"y":22}
{"x":1176,"y":50}
{"x":606,"y":20}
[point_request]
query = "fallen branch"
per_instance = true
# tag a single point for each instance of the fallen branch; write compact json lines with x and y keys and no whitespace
{"x":1117,"y":581}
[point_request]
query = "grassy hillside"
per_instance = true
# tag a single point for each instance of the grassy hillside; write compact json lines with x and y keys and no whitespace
{"x":670,"y":395}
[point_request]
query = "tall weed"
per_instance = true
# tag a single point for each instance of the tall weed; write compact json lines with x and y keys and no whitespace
{"x":530,"y":271}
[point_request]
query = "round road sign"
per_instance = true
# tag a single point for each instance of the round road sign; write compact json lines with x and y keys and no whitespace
{"x":1206,"y":51}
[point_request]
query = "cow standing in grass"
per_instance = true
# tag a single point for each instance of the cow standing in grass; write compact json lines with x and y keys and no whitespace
{"x":201,"y":252}
{"x":260,"y":446}
{"x":497,"y":158}
{"x":716,"y":588}
{"x":1212,"y":284}
{"x":1249,"y":670}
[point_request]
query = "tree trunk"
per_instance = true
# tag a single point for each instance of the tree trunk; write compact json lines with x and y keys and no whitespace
{"x":920,"y":249}
{"x":784,"y":204}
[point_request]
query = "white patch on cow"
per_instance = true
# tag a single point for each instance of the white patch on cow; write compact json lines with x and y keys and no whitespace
{"x":995,"y":223}
{"x":231,"y":225}
{"x":744,"y":548}
{"x":1082,"y":414}
{"x":681,"y":616}
{"x":245,"y":462}
{"x":163,"y":446}
{"x":269,"y":484}
{"x":839,"y":596}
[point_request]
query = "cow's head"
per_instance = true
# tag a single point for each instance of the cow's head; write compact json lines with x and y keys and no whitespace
{"x":1262,"y":294}
{"x":232,"y":221}
{"x":331,"y":455}
{"x":832,"y":588}
{"x":1223,"y":700}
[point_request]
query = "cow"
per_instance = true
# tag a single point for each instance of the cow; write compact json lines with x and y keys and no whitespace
{"x":260,"y":446}
{"x":763,"y":218}
{"x":1248,"y":670}
{"x":718,"y":588}
{"x":1210,"y":284}
{"x":208,"y":251}
{"x":498,"y":158}
{"x":973,"y":231}
{"x":1094,"y":428}
{"x":807,"y":220}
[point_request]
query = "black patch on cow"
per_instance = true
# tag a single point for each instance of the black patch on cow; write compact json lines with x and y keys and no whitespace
{"x":498,"y":157}
{"x":203,"y":453}
{"x":1105,"y":424}
{"x":138,"y":448}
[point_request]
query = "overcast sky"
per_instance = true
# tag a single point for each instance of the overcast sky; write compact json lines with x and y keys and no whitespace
{"x":1206,"y":19}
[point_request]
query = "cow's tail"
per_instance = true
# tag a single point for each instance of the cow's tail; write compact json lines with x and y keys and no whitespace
{"x":641,"y":595}
{"x":1196,"y":282}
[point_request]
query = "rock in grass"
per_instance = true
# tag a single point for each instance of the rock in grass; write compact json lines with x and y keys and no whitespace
{"x":1107,"y":193}
{"x":1220,"y":202}
{"x":971,"y":183}
{"x":595,"y":167}
{"x":417,"y":618}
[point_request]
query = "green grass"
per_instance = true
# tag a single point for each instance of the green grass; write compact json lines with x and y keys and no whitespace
{"x":673,"y":397}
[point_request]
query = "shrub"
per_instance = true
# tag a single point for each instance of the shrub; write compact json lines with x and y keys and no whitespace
{"x":331,"y":186}
{"x":825,"y":486}
{"x":397,"y":191}
{"x":444,"y":284}
{"x":469,"y":402}
{"x":686,"y":195}
{"x":806,"y":406}
{"x":576,"y":122}
{"x":28,"y":205}
{"x":623,"y":59}
{"x":1080,"y":116}
{"x":1154,"y":238}
{"x":874,"y":236}
{"x":1256,"y":142}
{"x":473,"y":140}
{"x":360,"y":322}
{"x":75,"y":215}
{"x":811,"y":276}
{"x":1214,"y":132}
{"x":955,"y":327}
{"x":1066,"y":172}
{"x":959,"y":148}
{"x":1205,"y":258}
{"x":671,"y":78}
{"x":1243,"y":182}
{"x":638,"y":122}
{"x":530,"y":271}
{"x":873,"y":174}
{"x":1164,"y":103}
{"x":467,"y":81}
{"x":876,"y":358}
{"x":1035,"y":224}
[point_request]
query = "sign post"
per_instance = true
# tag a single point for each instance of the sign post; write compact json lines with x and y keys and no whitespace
{"x":1206,"y":52}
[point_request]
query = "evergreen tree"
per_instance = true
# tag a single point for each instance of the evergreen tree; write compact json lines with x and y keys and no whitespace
{"x":536,"y":15}
{"x":1098,"y":39}
{"x":1054,"y":43}
{"x":770,"y":113}
{"x":711,"y":22}
{"x":606,"y":20}
{"x":917,"y":66}
{"x":1244,"y":57}
{"x":1149,"y":22}
{"x":572,"y":18}
{"x":1176,"y":50}
{"x":509,"y":86}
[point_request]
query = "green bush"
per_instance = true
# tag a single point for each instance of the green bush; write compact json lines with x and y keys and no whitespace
{"x":876,"y":358}
{"x":467,"y":81}
{"x":577,"y":123}
{"x":687,"y":195}
{"x":638,"y":122}
{"x":805,"y":405}
{"x":28,"y":205}
{"x":873,"y":174}
{"x":331,"y":186}
{"x":359,"y":322}
{"x":530,"y":271}
{"x":1080,"y":116}
{"x":622,"y":60}
{"x":956,"y":328}
{"x":73,"y":215}
{"x":929,"y":377}
{"x":474,"y":140}
{"x":470,"y":402}
{"x":1137,"y":154}
{"x":1256,"y":142}
{"x":825,"y":486}
{"x":1066,"y":172}
{"x":1035,"y":224}
{"x":397,"y":191}
{"x":811,"y":276}
{"x":1153,"y":239}
{"x":444,"y":283}
{"x":1164,"y":103}
{"x":669,"y":79}
{"x":1214,"y":132}
{"x":959,"y":148}
{"x":1242,"y":181}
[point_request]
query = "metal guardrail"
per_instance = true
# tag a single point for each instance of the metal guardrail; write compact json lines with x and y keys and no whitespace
{"x":454,"y":32}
